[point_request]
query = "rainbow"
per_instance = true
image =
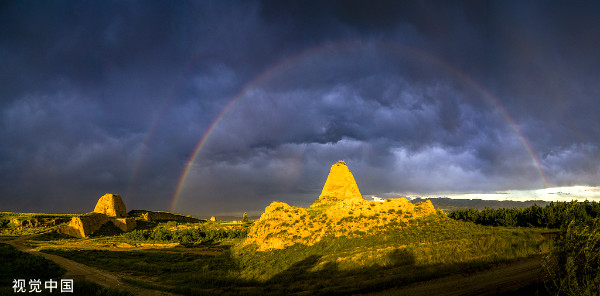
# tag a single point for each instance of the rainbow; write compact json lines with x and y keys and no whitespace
{"x":140,"y":157}
{"x":154,"y":125}
{"x":327,"y":46}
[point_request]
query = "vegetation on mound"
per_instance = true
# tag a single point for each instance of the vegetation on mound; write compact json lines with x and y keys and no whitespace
{"x":430,"y":247}
{"x":429,"y":241}
{"x":282,"y":225}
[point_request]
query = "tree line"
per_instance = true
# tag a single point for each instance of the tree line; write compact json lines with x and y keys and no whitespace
{"x":554,"y":215}
{"x":572,"y":266}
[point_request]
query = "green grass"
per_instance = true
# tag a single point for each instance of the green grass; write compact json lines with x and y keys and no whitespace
{"x":433,"y":241}
{"x":15,"y":264}
{"x":190,"y":233}
{"x":18,"y":265}
{"x":177,"y":272}
{"x":433,"y":247}
{"x":573,"y":265}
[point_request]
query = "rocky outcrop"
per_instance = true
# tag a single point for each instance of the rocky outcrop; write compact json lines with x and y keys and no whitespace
{"x":89,"y":224}
{"x":340,"y":185}
{"x":111,"y":205}
{"x":125,"y":224}
{"x":84,"y":225}
{"x":339,"y":211}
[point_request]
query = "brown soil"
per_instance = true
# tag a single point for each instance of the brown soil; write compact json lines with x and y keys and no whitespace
{"x":503,"y":279}
{"x":77,"y":270}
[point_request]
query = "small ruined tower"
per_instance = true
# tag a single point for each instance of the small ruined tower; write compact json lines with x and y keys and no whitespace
{"x":111,"y":205}
{"x":340,"y":185}
{"x":109,"y":212}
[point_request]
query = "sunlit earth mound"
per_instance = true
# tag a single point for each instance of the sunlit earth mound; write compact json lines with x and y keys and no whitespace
{"x":339,"y":211}
{"x":340,"y":185}
{"x":111,"y":205}
{"x":110,"y":217}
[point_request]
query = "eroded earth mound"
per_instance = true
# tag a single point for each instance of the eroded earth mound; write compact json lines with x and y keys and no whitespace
{"x":339,"y":211}
{"x":111,"y":205}
{"x":340,"y":185}
{"x":110,"y":214}
{"x":109,"y":209}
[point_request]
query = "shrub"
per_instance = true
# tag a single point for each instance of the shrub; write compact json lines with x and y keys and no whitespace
{"x":359,"y":233}
{"x":189,"y":235}
{"x":4,"y":222}
{"x":573,"y":265}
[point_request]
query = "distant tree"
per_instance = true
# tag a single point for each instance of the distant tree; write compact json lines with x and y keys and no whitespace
{"x":245,"y":217}
{"x":553,"y":215}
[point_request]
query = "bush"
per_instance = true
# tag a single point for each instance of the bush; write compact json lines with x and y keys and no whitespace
{"x":573,"y":265}
{"x":4,"y":222}
{"x":189,"y":235}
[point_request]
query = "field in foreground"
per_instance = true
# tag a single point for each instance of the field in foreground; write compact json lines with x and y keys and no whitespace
{"x":433,"y":247}
{"x":20,"y":265}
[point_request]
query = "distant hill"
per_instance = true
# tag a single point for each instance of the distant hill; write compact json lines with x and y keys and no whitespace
{"x":448,"y":204}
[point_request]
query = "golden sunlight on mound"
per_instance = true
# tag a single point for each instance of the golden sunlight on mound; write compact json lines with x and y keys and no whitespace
{"x":340,"y":210}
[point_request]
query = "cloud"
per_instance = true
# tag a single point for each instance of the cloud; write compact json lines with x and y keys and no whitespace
{"x":574,"y":165}
{"x":419,"y":97}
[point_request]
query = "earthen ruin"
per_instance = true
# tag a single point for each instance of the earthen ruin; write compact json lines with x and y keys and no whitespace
{"x":109,"y":209}
{"x":111,"y":205}
{"x":340,"y":185}
{"x":110,"y":213}
{"x":340,"y":210}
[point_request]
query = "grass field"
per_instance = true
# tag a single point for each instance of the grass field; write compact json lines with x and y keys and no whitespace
{"x":433,"y":247}
{"x":17,"y":265}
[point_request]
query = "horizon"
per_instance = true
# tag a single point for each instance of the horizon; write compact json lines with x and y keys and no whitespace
{"x":556,"y":194}
{"x":207,"y":108}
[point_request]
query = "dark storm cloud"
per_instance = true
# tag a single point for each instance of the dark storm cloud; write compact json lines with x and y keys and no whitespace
{"x":114,"y":97}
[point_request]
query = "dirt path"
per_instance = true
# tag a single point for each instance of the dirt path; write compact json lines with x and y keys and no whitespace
{"x":498,"y":280}
{"x":78,"y":270}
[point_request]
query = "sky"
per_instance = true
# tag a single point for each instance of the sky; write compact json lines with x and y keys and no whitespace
{"x":221,"y":107}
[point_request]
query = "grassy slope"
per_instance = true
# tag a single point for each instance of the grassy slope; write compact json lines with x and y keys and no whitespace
{"x":434,"y":247}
